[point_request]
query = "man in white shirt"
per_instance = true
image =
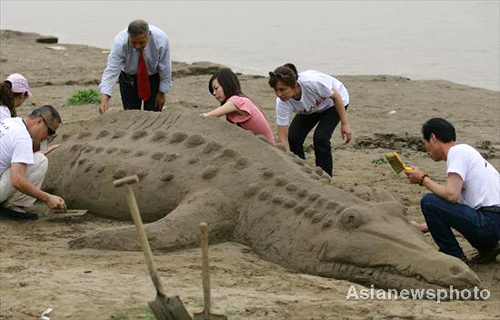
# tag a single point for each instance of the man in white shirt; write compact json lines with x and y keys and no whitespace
{"x":468,"y":202}
{"x":140,"y":60}
{"x":22,"y":171}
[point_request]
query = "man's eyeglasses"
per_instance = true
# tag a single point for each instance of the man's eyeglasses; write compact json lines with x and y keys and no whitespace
{"x":279,"y":75}
{"x":50,"y":131}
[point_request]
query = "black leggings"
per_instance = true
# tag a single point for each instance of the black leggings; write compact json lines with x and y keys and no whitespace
{"x":300,"y":127}
{"x":130,"y":97}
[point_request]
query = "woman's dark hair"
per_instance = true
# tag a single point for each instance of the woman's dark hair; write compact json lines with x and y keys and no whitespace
{"x":229,"y":83}
{"x":19,"y":94}
{"x":7,"y":97}
{"x":442,"y":129}
{"x":287,"y":74}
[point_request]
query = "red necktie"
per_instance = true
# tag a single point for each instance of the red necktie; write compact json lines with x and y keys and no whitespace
{"x":143,"y":88}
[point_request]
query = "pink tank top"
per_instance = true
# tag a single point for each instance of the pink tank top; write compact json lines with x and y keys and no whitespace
{"x":255,"y":121}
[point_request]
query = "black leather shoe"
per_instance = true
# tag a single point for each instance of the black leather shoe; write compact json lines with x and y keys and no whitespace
{"x":486,"y":256}
{"x":16,"y":215}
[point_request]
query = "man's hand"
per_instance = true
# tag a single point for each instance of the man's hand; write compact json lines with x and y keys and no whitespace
{"x":415,"y":176}
{"x":55,"y":202}
{"x":346,"y":132}
{"x":160,"y":101}
{"x":49,"y":149}
{"x":103,"y":109}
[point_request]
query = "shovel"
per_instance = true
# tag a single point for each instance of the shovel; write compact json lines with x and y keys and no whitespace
{"x":164,"y":307}
{"x":205,"y":272}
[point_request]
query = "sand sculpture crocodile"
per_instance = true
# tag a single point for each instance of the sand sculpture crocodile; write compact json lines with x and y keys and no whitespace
{"x":194,"y":169}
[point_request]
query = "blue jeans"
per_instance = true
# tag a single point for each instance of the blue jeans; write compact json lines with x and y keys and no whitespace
{"x":480,"y":228}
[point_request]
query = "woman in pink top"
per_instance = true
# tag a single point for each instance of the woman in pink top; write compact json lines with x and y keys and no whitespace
{"x":238,"y":108}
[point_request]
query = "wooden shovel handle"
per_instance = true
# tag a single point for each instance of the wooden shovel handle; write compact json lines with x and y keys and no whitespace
{"x":205,"y":268}
{"x":141,"y":236}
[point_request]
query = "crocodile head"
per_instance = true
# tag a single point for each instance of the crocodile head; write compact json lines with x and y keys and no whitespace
{"x":374,"y":244}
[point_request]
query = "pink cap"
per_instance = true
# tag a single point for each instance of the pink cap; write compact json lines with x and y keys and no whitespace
{"x":19,"y":83}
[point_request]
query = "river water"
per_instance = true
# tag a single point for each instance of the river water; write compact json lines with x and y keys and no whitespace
{"x":457,"y":41}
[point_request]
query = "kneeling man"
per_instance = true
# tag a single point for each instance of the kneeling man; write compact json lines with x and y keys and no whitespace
{"x":21,"y":170}
{"x":468,"y":202}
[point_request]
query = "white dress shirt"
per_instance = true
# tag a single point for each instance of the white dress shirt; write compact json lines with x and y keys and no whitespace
{"x":125,"y":58}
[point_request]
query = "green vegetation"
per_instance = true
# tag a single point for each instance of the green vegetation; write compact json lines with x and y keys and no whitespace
{"x":85,"y":97}
{"x":197,"y":303}
{"x":379,"y":161}
{"x":142,"y":312}
{"x":230,"y":312}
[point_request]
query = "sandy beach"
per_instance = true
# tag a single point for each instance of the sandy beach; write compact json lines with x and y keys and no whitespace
{"x":38,"y":269}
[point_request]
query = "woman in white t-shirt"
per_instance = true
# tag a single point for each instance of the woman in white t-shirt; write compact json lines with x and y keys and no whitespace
{"x":316,"y":99}
{"x":13,"y":92}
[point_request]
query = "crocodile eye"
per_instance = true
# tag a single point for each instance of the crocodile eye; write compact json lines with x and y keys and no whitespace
{"x":350,"y":219}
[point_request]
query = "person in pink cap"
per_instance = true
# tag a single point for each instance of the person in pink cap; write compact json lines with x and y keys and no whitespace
{"x":13,"y":92}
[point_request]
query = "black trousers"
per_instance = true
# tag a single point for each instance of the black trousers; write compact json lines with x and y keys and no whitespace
{"x":300,"y":127}
{"x":130,"y":97}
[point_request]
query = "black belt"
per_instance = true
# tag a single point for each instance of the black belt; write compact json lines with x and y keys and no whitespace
{"x":135,"y":75}
{"x":490,"y":209}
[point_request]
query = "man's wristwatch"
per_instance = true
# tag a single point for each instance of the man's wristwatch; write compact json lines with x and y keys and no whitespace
{"x":423,"y":177}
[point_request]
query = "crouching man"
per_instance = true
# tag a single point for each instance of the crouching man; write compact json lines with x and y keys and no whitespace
{"x":468,"y":202}
{"x":21,"y":170}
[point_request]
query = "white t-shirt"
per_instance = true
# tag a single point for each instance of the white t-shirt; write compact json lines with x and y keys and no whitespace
{"x":481,"y":186}
{"x":16,"y":145}
{"x":316,"y":96}
{"x":4,"y":113}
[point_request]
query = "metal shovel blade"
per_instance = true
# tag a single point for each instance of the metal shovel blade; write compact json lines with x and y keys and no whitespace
{"x":168,"y":308}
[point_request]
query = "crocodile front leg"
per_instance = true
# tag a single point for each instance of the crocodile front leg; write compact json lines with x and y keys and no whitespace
{"x":179,"y":229}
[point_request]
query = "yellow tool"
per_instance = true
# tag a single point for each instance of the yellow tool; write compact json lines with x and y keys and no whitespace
{"x":396,"y":163}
